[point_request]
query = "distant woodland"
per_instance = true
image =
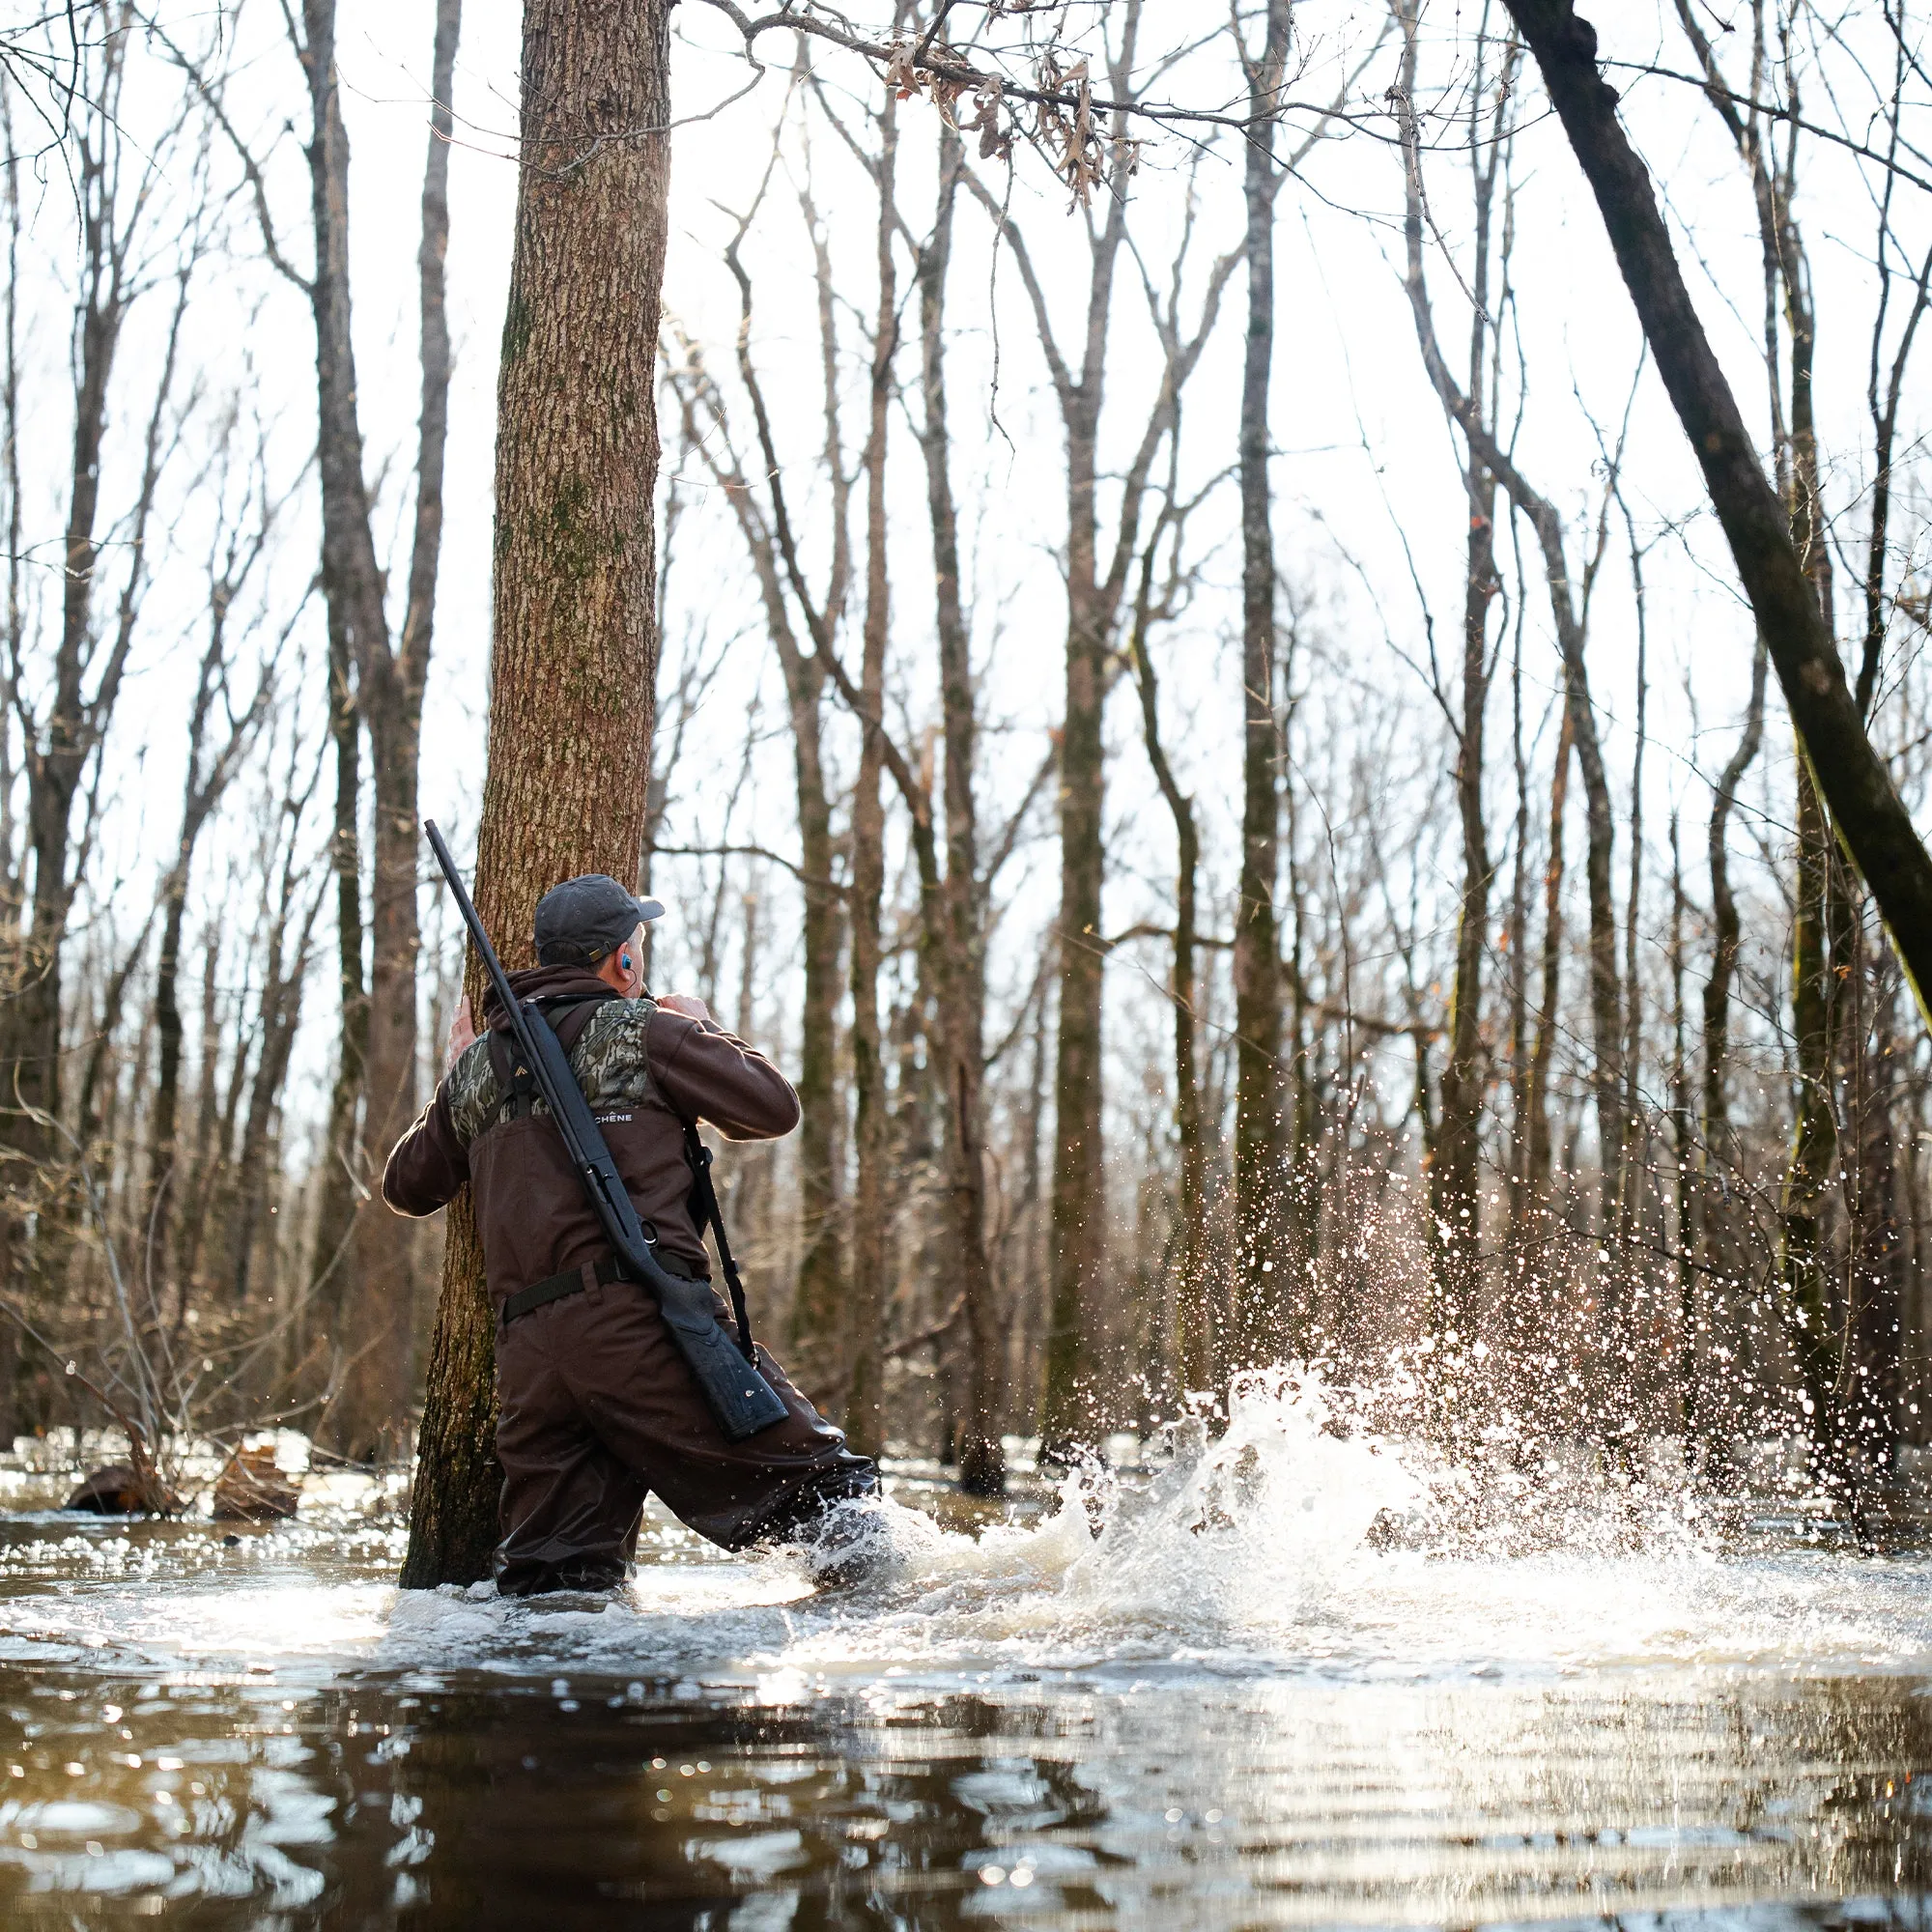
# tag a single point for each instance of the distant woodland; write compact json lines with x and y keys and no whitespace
{"x":1187,"y":681}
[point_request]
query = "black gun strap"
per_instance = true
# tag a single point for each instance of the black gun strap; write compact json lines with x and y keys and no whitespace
{"x":705,"y":1196}
{"x":568,"y":1018}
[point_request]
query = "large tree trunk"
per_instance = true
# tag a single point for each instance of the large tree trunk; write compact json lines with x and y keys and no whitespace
{"x":572,"y":671}
{"x":1856,"y":786}
{"x":1263,"y":1319}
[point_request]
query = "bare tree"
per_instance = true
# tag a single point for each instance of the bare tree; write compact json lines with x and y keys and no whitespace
{"x":1856,"y":788}
{"x":1570,"y":609}
{"x":375,"y":1293}
{"x":1262,"y":1319}
{"x":1455,"y":1203}
{"x":575,"y":582}
{"x":63,"y":692}
{"x":1095,"y":592}
{"x":236,"y":554}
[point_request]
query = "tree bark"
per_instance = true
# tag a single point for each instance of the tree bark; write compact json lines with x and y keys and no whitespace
{"x":959,"y":954}
{"x":370,"y":1413}
{"x":1263,"y":1319}
{"x":1866,"y":808}
{"x":872,"y":1122}
{"x":576,"y":634}
{"x":352,"y":588}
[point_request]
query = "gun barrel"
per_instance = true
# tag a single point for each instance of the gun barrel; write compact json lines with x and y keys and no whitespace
{"x":471,"y":919}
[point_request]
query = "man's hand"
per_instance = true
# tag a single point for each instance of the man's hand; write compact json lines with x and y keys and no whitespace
{"x":461,"y":1034}
{"x":687,"y":1004}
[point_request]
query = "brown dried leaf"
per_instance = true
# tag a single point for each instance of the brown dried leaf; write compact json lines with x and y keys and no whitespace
{"x":250,"y":1488}
{"x":901,"y":73}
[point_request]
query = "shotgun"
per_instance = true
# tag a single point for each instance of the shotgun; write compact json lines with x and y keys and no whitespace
{"x":739,"y":1396}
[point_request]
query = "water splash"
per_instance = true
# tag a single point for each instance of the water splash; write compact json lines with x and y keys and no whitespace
{"x":1251,"y":1528}
{"x":1304,"y":1535}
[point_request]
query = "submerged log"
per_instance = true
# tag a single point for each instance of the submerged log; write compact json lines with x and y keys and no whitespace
{"x":250,"y":1488}
{"x":119,"y":1488}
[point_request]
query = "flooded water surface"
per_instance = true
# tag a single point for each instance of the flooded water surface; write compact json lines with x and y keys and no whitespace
{"x":1219,"y":1696}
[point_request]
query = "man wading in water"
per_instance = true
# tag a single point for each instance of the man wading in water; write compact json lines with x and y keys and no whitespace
{"x":597,"y":1406}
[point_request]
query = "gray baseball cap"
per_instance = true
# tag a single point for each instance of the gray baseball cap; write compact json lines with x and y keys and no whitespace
{"x":583,"y":918}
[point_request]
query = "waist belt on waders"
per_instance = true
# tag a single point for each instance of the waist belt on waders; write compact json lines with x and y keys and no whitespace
{"x":573,"y":1281}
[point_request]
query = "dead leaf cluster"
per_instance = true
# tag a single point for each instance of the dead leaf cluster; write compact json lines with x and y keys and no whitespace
{"x":938,"y":73}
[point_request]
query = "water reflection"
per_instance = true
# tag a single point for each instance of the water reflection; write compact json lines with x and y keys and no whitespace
{"x":1228,"y":1711}
{"x":1069,"y":1802}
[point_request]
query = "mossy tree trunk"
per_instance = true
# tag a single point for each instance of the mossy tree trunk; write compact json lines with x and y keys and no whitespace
{"x":573,"y":667}
{"x":1263,"y":1317}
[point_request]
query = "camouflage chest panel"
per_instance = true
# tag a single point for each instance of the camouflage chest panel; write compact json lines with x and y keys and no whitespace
{"x":609,"y":1061}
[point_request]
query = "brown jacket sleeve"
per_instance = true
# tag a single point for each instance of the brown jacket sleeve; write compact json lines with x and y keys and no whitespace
{"x":430,"y":1164}
{"x":708,"y":1074}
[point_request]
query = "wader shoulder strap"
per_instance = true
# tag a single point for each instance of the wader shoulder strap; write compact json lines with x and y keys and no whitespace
{"x":568,"y":1018}
{"x":512,"y":1075}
